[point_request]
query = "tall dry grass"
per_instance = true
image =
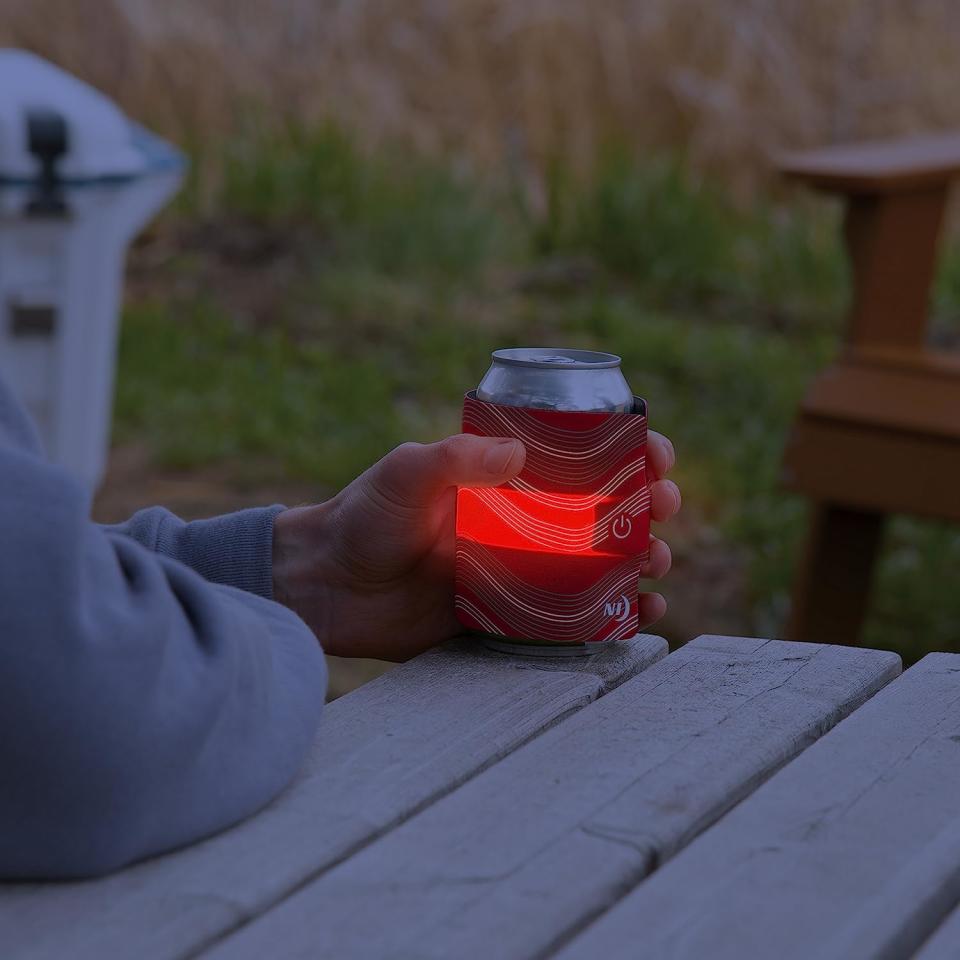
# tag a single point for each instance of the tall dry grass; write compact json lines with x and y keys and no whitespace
{"x":515,"y":83}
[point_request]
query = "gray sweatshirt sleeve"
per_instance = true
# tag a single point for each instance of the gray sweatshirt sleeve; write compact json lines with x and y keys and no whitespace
{"x":141,"y":706}
{"x":234,"y":549}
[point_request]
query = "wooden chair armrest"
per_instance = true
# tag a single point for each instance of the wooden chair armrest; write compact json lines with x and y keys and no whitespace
{"x":882,"y":166}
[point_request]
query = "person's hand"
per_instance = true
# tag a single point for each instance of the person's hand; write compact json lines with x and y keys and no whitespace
{"x":371,"y":571}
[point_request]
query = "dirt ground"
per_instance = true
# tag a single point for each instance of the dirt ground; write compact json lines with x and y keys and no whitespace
{"x":705,"y":589}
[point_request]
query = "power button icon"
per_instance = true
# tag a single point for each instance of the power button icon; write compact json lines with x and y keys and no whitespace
{"x":621,"y":527}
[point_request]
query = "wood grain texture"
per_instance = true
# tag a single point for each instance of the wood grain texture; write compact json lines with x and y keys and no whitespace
{"x":891,"y":924}
{"x":945,"y":942}
{"x":880,"y":166}
{"x":383,"y":752}
{"x":538,"y":845}
{"x":850,"y":851}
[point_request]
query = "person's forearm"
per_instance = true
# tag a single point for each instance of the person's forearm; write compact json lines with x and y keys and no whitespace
{"x":235,"y":549}
{"x":141,"y":707}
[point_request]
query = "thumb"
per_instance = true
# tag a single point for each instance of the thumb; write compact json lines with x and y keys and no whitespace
{"x":415,"y":474}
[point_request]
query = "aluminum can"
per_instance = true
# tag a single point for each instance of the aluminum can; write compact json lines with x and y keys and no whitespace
{"x":554,"y":379}
{"x":547,"y":379}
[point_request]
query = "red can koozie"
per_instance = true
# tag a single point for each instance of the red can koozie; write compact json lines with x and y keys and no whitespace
{"x":555,"y":554}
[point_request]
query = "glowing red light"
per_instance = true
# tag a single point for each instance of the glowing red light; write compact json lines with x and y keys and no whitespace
{"x":556,"y":554}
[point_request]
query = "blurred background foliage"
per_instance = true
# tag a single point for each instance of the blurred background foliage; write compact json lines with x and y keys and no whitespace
{"x":382,"y":192}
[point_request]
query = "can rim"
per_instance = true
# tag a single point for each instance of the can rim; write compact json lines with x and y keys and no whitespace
{"x":576,"y":359}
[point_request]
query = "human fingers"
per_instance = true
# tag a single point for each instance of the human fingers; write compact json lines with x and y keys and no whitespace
{"x":650,"y":608}
{"x":665,"y":500}
{"x":415,"y":474}
{"x":660,"y":560}
{"x":661,"y":455}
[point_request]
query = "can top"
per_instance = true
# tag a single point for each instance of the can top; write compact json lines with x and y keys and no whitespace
{"x":546,"y":358}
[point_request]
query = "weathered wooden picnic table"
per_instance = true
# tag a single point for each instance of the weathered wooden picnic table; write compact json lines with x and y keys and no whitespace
{"x":736,"y":798}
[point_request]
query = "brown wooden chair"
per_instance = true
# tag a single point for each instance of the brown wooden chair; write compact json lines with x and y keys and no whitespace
{"x":878,"y":432}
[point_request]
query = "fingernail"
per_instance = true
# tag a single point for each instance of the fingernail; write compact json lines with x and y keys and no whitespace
{"x":495,"y":460}
{"x":677,"y":498}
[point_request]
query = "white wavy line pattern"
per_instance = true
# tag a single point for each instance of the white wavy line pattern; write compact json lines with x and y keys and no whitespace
{"x":539,"y":427}
{"x":570,"y":457}
{"x":478,"y":621}
{"x":591,"y":466}
{"x":499,"y":609}
{"x":477,"y":616}
{"x":584,"y":501}
{"x":532,"y":621}
{"x":470,"y":553}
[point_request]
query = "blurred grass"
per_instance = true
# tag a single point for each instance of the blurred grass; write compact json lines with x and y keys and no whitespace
{"x":510,"y":85}
{"x":679,"y":238}
{"x":395,"y":214}
{"x":399,"y":275}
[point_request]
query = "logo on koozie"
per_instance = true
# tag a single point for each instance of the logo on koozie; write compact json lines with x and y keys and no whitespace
{"x":618,"y":609}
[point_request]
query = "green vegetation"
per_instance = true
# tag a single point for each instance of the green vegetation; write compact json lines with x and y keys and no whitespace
{"x":678,"y":238}
{"x":345,"y":303}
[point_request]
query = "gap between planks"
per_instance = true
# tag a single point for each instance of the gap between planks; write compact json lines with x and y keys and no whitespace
{"x":850,"y":851}
{"x":383,"y":753}
{"x":523,"y":856}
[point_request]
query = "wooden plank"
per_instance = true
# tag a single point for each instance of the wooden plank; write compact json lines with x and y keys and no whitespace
{"x":816,"y":446}
{"x":917,"y":401}
{"x":945,"y":942}
{"x":849,"y":851}
{"x":383,"y":752}
{"x":538,"y":845}
{"x":891,"y":924}
{"x":924,"y":361}
{"x":881,"y":166}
